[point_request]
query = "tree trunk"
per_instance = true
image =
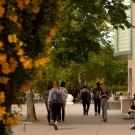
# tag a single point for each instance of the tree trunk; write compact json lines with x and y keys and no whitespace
{"x":80,"y":79}
{"x":31,"y":114}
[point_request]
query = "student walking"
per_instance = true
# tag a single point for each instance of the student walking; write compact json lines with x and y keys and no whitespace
{"x":96,"y":98}
{"x":45,"y":97}
{"x":104,"y":103}
{"x":86,"y":99}
{"x":64,"y":94}
{"x":54,"y":103}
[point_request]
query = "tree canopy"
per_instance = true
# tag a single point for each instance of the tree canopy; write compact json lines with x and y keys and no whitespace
{"x":85,"y":26}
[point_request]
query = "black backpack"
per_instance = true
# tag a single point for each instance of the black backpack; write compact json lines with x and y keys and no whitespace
{"x":85,"y":95}
{"x":97,"y":92}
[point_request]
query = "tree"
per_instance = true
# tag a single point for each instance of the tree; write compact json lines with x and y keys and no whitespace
{"x":26,"y":29}
{"x":84,"y":28}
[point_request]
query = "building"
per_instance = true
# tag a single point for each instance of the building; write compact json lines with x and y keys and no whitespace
{"x":124,"y":43}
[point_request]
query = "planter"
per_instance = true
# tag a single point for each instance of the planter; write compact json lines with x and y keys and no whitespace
{"x":123,"y":97}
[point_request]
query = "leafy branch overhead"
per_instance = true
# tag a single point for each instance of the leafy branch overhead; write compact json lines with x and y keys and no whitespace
{"x":84,"y":27}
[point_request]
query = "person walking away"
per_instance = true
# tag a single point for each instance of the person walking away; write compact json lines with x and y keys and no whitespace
{"x":104,"y":103}
{"x":45,"y":97}
{"x":86,"y":99}
{"x":96,"y":98}
{"x":54,"y":103}
{"x":64,"y":94}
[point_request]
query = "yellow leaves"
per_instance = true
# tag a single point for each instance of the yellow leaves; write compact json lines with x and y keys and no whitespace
{"x":21,"y":4}
{"x":13,"y":18}
{"x":41,"y":61}
{"x":12,"y":38}
{"x":101,"y":81}
{"x":2,"y":112}
{"x":36,"y":2}
{"x":36,"y":6}
{"x":3,"y":58}
{"x":22,"y":59}
{"x":20,"y":52}
{"x":27,"y":2}
{"x":6,"y":68}
{"x":13,"y":120}
{"x":2,"y":11}
{"x":2,"y":2}
{"x":52,"y":33}
{"x":2,"y":97}
{"x":26,"y":62}
{"x":13,"y":64}
{"x":1,"y":44}
{"x":24,"y":87}
{"x":48,"y":39}
{"x":36,"y":9}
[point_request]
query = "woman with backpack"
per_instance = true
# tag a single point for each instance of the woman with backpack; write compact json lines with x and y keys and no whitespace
{"x":54,"y":103}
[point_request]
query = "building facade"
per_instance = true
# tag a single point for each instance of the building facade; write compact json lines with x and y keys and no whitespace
{"x":124,"y":44}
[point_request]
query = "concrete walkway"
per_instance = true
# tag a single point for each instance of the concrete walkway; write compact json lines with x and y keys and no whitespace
{"x":76,"y":123}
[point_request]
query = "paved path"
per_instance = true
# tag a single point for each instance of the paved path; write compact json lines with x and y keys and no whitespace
{"x":76,"y":123}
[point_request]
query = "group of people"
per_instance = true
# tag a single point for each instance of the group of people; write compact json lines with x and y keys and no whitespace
{"x":100,"y":97}
{"x":55,"y":101}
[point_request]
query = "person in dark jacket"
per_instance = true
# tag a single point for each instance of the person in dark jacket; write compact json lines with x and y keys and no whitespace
{"x":86,"y":99}
{"x":64,"y":94}
{"x":96,"y":98}
{"x":45,"y":97}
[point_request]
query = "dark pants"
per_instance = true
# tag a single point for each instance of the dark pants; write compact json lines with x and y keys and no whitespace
{"x":55,"y":110}
{"x":63,"y":111}
{"x":48,"y":112}
{"x":86,"y":106}
{"x":97,"y":105}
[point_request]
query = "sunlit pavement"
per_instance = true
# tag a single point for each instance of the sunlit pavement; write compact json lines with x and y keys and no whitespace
{"x":76,"y":123}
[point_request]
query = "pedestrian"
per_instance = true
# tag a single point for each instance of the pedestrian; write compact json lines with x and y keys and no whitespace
{"x":104,"y":103}
{"x":96,"y":98}
{"x":45,"y":97}
{"x":54,"y":103}
{"x":134,"y":97}
{"x":131,"y":110}
{"x":64,"y":94}
{"x":86,"y":99}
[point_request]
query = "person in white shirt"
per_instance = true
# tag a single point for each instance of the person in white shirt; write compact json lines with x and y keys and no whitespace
{"x":64,"y":94}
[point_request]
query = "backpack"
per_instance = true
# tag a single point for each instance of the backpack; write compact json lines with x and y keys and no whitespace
{"x":96,"y":93}
{"x":85,"y":95}
{"x":55,"y":97}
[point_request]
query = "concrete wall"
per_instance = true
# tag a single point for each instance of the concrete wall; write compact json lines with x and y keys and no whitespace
{"x":131,"y":58}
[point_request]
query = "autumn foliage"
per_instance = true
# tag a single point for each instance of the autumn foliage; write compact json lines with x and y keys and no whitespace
{"x":27,"y":27}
